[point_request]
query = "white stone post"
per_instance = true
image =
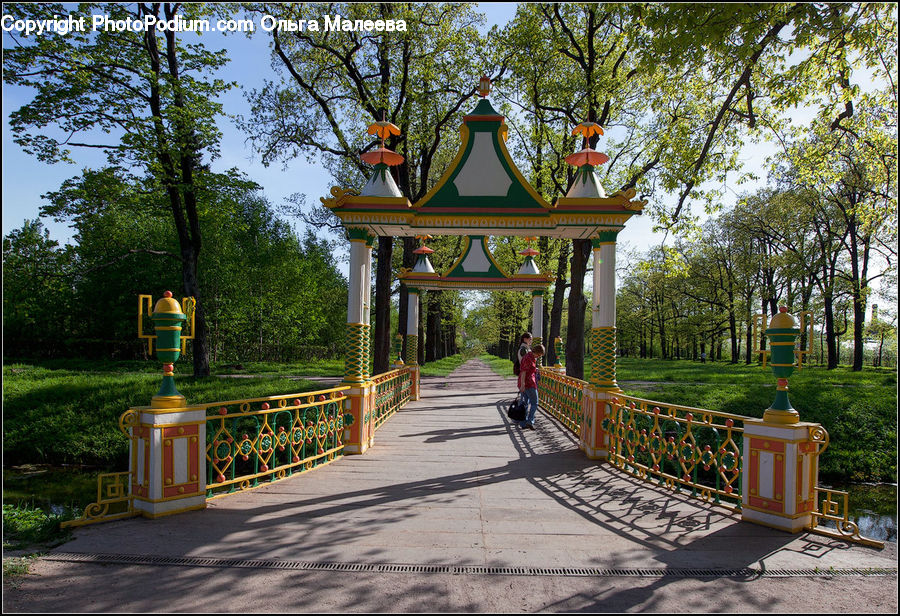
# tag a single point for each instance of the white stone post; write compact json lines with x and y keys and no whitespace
{"x":412,"y":339}
{"x":594,"y":439}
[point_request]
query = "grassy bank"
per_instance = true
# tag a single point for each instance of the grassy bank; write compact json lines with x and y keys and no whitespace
{"x":66,"y":412}
{"x":859,"y":409}
{"x":58,"y":415}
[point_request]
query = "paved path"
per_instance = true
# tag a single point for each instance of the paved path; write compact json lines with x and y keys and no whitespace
{"x":453,"y":510}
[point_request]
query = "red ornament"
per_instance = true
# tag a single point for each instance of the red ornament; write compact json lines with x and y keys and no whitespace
{"x":264,"y":468}
{"x":295,"y":459}
{"x":220,"y":478}
{"x":245,"y":458}
{"x":728,"y":489}
{"x":167,"y":294}
{"x":223,"y":411}
{"x":297,"y":402}
{"x":689,"y":417}
{"x":321,"y":398}
{"x":265,"y":406}
{"x":168,"y":368}
{"x":729,"y":422}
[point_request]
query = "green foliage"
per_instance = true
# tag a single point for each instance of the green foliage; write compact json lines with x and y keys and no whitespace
{"x":25,"y":526}
{"x":500,"y":365}
{"x":66,"y":416}
{"x":444,"y":366}
{"x":268,"y":293}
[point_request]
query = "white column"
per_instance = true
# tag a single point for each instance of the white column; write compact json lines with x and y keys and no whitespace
{"x":358,"y":269}
{"x":603,"y":298}
{"x":412,"y":314}
{"x":367,"y":286}
{"x":537,"y":309}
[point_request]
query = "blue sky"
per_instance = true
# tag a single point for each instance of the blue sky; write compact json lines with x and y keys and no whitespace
{"x":25,"y":179}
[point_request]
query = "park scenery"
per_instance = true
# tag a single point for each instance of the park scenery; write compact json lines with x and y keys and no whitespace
{"x":239,"y":239}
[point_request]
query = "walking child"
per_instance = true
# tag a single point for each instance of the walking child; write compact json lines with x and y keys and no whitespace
{"x":528,"y":384}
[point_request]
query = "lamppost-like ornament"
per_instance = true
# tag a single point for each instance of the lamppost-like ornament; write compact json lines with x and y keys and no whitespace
{"x":484,"y":86}
{"x":168,"y":318}
{"x":782,"y":333}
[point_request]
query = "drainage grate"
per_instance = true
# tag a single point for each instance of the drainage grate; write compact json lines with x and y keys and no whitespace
{"x":187,"y":561}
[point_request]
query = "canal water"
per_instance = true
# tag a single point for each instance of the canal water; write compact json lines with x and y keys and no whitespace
{"x":873,"y":507}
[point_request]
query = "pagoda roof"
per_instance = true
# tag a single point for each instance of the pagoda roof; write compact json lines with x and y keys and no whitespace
{"x":477,"y":269}
{"x":482,"y":178}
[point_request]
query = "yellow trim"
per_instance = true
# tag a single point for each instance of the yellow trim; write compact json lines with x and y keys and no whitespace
{"x":465,"y":252}
{"x":171,"y":498}
{"x":519,"y":176}
{"x":168,"y":402}
{"x":370,"y":200}
{"x":107,"y":518}
{"x":773,"y":438}
{"x":462,"y":254}
{"x":151,"y":515}
{"x":463,"y":144}
{"x":173,"y":425}
{"x":791,"y":516}
{"x":262,"y":485}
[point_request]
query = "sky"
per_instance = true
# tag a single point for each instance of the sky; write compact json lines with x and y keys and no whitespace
{"x":25,"y":178}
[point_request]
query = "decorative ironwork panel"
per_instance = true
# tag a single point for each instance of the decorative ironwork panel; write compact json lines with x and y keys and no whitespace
{"x":267,"y":439}
{"x":562,"y":396}
{"x":833,"y":506}
{"x":115,"y":499}
{"x":678,"y":447}
{"x":392,"y":391}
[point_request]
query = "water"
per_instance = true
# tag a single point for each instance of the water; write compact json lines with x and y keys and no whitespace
{"x":873,"y":507}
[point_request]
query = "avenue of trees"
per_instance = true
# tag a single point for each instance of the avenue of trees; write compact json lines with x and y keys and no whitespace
{"x":678,"y":88}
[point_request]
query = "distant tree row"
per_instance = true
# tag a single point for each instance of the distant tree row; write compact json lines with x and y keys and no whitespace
{"x":268,"y":294}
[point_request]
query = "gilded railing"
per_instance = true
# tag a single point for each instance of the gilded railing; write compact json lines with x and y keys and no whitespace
{"x":267,"y":439}
{"x":561,"y":396}
{"x":678,"y":447}
{"x":392,"y":391}
{"x":115,"y":499}
{"x":834,"y":506}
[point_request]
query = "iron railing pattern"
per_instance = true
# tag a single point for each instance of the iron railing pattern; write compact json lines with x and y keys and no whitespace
{"x":392,"y":391}
{"x":833,"y":506}
{"x":678,"y":447}
{"x":562,"y":396}
{"x":267,"y":439}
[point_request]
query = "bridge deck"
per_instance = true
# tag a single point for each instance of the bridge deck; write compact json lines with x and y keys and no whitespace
{"x":450,"y":481}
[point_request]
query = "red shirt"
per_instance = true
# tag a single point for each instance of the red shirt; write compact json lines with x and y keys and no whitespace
{"x":529,"y":368}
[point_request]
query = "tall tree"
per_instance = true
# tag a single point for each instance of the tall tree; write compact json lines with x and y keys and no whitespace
{"x":145,"y":98}
{"x":332,"y":84}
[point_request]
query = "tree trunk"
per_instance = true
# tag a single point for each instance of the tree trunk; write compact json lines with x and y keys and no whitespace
{"x":559,"y":294}
{"x":581,"y":250}
{"x":382,"y":342}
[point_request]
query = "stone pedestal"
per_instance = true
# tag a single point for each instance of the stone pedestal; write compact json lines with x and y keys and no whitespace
{"x":780,"y":474}
{"x":594,"y":438}
{"x":170,"y":476}
{"x":359,"y":429}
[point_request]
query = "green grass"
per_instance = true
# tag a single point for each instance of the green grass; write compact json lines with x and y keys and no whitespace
{"x":57,"y":415}
{"x":25,"y":526}
{"x":859,"y":409}
{"x":443,"y":367}
{"x":66,"y":412}
{"x":501,"y":366}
